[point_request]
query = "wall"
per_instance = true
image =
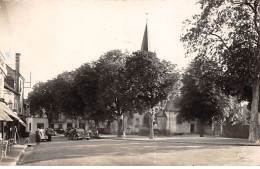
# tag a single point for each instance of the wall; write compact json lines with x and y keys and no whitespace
{"x":131,"y":125}
{"x":237,"y":131}
{"x":183,"y":128}
{"x":134,"y":126}
{"x":171,"y":122}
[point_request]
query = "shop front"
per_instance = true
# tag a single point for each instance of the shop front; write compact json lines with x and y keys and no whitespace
{"x":10,"y":123}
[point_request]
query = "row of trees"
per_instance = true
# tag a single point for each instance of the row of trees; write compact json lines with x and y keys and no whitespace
{"x":224,"y":38}
{"x":226,"y":34}
{"x":116,"y":84}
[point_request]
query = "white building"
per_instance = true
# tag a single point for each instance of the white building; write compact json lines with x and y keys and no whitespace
{"x":62,"y":123}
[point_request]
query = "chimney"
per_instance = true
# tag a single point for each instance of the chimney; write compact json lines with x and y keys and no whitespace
{"x":17,"y":70}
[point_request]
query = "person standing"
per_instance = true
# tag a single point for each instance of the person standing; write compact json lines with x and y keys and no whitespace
{"x":49,"y":132}
{"x":156,"y":129}
{"x":16,"y":136}
{"x":37,"y":136}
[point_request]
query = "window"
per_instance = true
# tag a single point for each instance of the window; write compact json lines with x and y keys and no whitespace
{"x":82,"y":125}
{"x":129,"y":121}
{"x":137,"y":122}
{"x":40,"y":125}
{"x":69,"y":125}
{"x":20,"y":86}
{"x":179,"y":119}
{"x":52,"y":126}
{"x":146,"y":121}
{"x":1,"y":127}
{"x":60,"y":126}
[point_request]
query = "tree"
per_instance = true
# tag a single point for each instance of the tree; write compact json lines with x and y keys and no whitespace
{"x":69,"y":101}
{"x":150,"y":81}
{"x":112,"y":89}
{"x":42,"y":98}
{"x":201,"y":99}
{"x":229,"y":33}
{"x":86,"y":80}
{"x":233,"y":113}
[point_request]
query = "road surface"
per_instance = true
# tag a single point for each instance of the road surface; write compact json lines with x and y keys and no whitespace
{"x":109,"y":152}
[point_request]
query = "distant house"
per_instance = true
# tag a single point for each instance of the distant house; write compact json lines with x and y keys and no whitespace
{"x":168,"y":119}
{"x":62,"y":122}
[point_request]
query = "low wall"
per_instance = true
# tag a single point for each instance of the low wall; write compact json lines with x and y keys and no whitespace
{"x":237,"y":131}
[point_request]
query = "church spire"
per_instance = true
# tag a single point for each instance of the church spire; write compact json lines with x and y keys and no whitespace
{"x":145,"y":44}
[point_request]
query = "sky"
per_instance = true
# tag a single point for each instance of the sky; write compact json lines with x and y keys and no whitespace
{"x":54,"y":36}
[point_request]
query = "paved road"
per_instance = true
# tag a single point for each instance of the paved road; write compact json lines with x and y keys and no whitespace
{"x":107,"y":152}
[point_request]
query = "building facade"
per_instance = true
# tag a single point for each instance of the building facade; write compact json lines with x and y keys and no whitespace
{"x":168,"y":120}
{"x":33,"y":123}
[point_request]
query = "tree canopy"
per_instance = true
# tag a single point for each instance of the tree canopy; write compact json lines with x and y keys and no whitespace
{"x":201,"y":99}
{"x":42,"y":100}
{"x":150,"y":79}
{"x":229,"y":34}
{"x":115,"y":85}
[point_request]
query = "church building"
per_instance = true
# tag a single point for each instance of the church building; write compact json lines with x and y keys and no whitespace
{"x":168,"y":118}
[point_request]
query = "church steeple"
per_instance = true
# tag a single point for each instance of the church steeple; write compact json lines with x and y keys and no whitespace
{"x":145,"y":44}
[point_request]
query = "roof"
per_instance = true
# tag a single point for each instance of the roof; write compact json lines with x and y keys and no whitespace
{"x":11,"y":72}
{"x":145,"y":44}
{"x":170,"y":106}
{"x":161,"y":114}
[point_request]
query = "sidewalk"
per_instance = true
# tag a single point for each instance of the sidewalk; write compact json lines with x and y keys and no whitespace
{"x":13,"y":157}
{"x":187,"y":138}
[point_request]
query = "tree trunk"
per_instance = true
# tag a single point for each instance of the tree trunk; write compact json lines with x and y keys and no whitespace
{"x":151,"y":126}
{"x":201,"y":128}
{"x":119,"y":130}
{"x":77,"y":123}
{"x":221,"y":128}
{"x":253,"y":130}
{"x":213,"y":129}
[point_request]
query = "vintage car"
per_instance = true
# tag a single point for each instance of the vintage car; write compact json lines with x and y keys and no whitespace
{"x":78,"y":134}
{"x":53,"y":133}
{"x":59,"y":130}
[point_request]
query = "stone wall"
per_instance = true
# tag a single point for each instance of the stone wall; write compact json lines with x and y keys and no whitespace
{"x":237,"y":131}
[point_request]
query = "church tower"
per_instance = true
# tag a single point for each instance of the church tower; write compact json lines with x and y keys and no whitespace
{"x":145,"y":44}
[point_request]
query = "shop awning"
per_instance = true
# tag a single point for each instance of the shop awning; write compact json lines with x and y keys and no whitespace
{"x":11,"y":113}
{"x":4,"y":116}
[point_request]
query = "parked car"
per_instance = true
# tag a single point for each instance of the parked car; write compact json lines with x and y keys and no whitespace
{"x":67,"y":131}
{"x":59,"y":131}
{"x":93,"y":133}
{"x":78,"y":134}
{"x":53,"y":133}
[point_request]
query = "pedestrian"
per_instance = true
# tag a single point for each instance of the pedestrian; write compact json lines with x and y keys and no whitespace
{"x":49,"y":132}
{"x":156,"y":129}
{"x":37,"y":137}
{"x":16,"y":136}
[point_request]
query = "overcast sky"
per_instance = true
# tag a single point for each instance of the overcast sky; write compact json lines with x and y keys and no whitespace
{"x":56,"y":36}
